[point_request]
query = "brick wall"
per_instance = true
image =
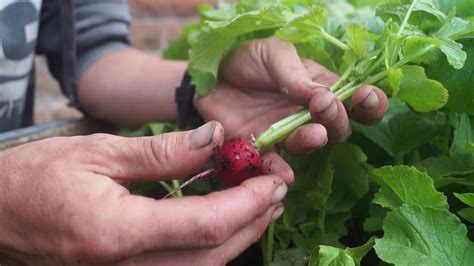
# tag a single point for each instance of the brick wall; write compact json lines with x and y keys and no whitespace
{"x":155,"y":24}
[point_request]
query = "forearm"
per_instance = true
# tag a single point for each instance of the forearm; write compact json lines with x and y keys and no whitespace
{"x":131,"y":87}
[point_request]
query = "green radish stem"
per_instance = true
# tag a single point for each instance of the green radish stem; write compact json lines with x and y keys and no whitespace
{"x":283,"y":128}
{"x":268,"y":257}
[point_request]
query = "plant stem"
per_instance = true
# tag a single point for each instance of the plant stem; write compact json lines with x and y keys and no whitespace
{"x":179,"y":192}
{"x":282,"y":129}
{"x":269,"y":244}
{"x":407,"y":16}
{"x":166,"y":186}
{"x":375,"y":65}
{"x":178,"y":187}
{"x":343,"y":78}
{"x":328,"y":37}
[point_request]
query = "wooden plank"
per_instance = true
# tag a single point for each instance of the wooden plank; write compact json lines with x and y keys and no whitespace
{"x":61,"y":128}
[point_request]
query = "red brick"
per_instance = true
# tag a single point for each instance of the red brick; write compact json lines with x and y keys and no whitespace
{"x":166,"y":7}
{"x":146,"y":35}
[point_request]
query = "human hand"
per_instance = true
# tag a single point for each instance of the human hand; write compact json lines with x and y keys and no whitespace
{"x":62,"y":202}
{"x":248,"y":98}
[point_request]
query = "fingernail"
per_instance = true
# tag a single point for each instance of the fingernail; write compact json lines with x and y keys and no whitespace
{"x":202,"y":136}
{"x":330,"y":112}
{"x":324,"y":144}
{"x":370,"y":101}
{"x":280,"y":193}
{"x":278,"y":212}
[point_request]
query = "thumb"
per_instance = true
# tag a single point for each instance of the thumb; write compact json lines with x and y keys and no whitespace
{"x":161,"y":157}
{"x":287,"y":70}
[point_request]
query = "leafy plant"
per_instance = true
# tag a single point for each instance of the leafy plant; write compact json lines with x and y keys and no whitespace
{"x":399,"y":192}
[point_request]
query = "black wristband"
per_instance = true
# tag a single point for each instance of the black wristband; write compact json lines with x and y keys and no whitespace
{"x":187,"y":115}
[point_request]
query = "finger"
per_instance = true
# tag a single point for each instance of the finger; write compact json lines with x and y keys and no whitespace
{"x":165,"y":156}
{"x":319,"y":73}
{"x":273,"y":164}
{"x":306,"y":139}
{"x":329,"y":111}
{"x":287,"y":70}
{"x":193,"y":222}
{"x":221,"y":255}
{"x":369,"y":104}
{"x":240,"y":241}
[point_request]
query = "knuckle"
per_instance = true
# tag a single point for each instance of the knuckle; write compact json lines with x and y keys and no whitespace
{"x":213,"y":227}
{"x":161,"y":148}
{"x":271,"y":43}
{"x":96,"y":141}
{"x":258,"y":199}
{"x":343,"y":135}
{"x":98,"y":247}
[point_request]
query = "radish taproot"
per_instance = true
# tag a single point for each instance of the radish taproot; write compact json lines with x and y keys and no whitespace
{"x":236,"y":161}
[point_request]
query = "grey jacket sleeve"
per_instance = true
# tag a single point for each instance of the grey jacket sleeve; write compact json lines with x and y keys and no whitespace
{"x":73,"y":34}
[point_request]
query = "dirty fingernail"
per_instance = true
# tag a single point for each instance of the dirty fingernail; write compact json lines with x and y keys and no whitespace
{"x":324,"y":144}
{"x":371,"y":100}
{"x":279,"y":193}
{"x":330,"y":112}
{"x":278,"y":212}
{"x":202,"y":136}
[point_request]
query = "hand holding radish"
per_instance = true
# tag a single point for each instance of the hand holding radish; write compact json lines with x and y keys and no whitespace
{"x":263,"y":81}
{"x":63,"y":202}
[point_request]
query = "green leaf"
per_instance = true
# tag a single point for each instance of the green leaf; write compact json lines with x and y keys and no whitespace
{"x":332,"y":256}
{"x":459,"y":83}
{"x":224,"y":12}
{"x":317,"y":54}
{"x":443,"y":165}
{"x":305,"y":27}
{"x":179,"y":49}
{"x":406,"y":185}
{"x":358,"y":253}
{"x":421,"y":93}
{"x":323,"y":187}
{"x":467,"y":198}
{"x":461,"y":158}
{"x":157,"y":128}
{"x":350,"y":177}
{"x":421,"y":49}
{"x":410,"y":130}
{"x":416,"y":235}
{"x":463,"y":136}
{"x":425,"y":15}
{"x":392,"y":46}
{"x":453,"y":51}
{"x":217,"y":37}
{"x":455,"y":29}
{"x":380,"y":134}
{"x":375,"y":221}
{"x":291,"y":257}
{"x":467,"y":214}
{"x":427,"y":6}
{"x":395,"y":77}
{"x":360,"y":39}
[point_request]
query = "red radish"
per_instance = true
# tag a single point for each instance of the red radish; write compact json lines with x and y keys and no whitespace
{"x":237,"y":161}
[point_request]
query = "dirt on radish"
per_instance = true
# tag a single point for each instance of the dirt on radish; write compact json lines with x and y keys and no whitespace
{"x":237,"y":161}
